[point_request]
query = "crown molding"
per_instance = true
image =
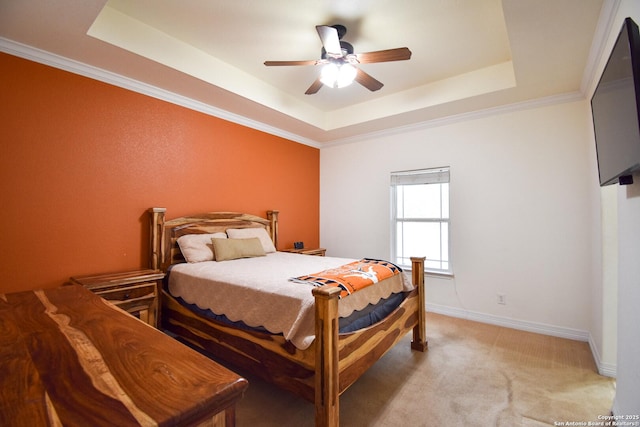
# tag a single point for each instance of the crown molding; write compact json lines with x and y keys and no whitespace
{"x":56,"y":61}
{"x":597,"y":52}
{"x":457,"y":118}
{"x":47,"y":58}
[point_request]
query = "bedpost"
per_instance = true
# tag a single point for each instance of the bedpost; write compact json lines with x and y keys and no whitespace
{"x":156,"y":236}
{"x":272,"y":216}
{"x":419,"y":331}
{"x":327,"y":390}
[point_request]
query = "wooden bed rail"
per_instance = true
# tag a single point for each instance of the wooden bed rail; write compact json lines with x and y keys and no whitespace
{"x":327,"y":384}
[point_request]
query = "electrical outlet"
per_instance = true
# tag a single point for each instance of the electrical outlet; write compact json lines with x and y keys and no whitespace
{"x":502,"y":299}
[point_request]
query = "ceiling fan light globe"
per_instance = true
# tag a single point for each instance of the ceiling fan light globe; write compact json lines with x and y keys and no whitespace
{"x":329,"y":74}
{"x":346,"y":75}
{"x":334,"y":75}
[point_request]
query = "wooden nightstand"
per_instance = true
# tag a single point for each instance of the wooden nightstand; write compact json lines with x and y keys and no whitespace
{"x":307,"y":251}
{"x":136,"y":292}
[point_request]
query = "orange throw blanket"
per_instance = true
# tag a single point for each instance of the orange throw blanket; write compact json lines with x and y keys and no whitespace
{"x":352,"y":277}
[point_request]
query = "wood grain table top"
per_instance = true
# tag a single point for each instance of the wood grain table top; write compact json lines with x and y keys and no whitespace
{"x":68,"y":357}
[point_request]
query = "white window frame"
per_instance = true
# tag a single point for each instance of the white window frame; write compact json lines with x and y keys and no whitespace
{"x":415,"y":177}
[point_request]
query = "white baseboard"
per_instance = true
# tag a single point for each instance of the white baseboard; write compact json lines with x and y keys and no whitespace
{"x":540,"y":328}
{"x":605,"y":369}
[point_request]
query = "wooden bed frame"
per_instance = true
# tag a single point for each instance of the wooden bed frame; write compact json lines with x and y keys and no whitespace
{"x":319,"y":373}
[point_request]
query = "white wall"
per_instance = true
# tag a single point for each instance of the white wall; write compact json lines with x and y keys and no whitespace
{"x":522,"y":220}
{"x":627,"y":253}
{"x":604,"y":319}
{"x":627,"y":401}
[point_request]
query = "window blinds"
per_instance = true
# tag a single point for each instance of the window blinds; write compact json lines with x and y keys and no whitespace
{"x":421,"y":176}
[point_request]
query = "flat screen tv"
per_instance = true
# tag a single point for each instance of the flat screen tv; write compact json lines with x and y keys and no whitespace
{"x":615,"y":105}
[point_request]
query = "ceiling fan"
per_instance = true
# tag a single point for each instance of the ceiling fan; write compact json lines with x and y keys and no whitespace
{"x":339,"y":61}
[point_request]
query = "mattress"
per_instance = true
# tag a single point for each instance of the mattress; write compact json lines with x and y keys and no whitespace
{"x":259,"y":293}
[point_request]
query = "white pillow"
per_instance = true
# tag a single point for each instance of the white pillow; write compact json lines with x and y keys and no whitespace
{"x":247,"y":233}
{"x":198,"y":247}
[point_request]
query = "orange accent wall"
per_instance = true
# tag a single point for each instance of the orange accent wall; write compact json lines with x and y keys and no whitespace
{"x":82,"y":161}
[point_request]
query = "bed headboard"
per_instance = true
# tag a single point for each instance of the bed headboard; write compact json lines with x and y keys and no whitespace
{"x":164,"y":249}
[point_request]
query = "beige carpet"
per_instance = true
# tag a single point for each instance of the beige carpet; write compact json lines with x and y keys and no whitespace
{"x":473,"y":374}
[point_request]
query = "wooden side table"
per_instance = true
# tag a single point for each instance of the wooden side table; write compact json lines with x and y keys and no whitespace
{"x":69,"y":358}
{"x":307,"y":251}
{"x":136,"y":292}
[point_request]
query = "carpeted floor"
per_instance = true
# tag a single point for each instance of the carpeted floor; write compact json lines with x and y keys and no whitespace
{"x":473,"y":374}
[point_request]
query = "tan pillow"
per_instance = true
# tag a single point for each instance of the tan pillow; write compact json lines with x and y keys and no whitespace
{"x":227,"y":249}
{"x":198,"y":247}
{"x":260,"y":233}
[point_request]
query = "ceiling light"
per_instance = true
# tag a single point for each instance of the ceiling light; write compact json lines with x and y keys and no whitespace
{"x":338,"y":75}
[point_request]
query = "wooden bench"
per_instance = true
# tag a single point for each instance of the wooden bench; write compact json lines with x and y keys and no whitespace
{"x":68,"y":357}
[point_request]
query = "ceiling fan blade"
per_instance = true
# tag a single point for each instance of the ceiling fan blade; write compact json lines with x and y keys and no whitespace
{"x":314,"y":88}
{"x":398,"y":54}
{"x":285,"y":63}
{"x":367,"y":81}
{"x":330,"y":40}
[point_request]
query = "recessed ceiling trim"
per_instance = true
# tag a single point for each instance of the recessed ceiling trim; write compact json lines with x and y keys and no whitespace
{"x":463,"y":117}
{"x":126,"y":32}
{"x":478,"y":82}
{"x":597,"y":54}
{"x":549,"y":46}
{"x":120,"y":30}
{"x":56,"y":61}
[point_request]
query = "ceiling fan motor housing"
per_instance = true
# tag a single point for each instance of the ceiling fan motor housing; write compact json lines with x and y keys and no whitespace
{"x":346,"y":47}
{"x":341,"y":29}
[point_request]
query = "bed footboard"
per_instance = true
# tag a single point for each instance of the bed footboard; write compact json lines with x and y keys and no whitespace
{"x":335,"y":370}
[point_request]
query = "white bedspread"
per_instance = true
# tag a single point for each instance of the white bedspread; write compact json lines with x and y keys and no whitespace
{"x":258,"y":292}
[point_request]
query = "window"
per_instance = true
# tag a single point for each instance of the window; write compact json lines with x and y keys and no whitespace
{"x":420,"y":218}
